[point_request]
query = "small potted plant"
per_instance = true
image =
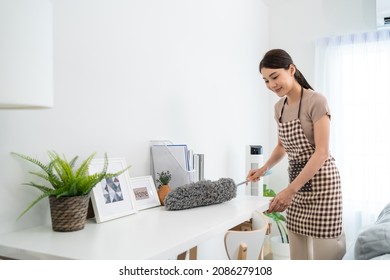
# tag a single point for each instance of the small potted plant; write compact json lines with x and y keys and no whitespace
{"x":67,"y":187}
{"x":279,"y":243}
{"x":163,"y":185}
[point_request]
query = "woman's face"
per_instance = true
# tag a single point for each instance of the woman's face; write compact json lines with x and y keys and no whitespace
{"x":280,"y":80}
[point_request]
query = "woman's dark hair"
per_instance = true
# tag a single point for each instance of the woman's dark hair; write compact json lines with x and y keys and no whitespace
{"x":278,"y":58}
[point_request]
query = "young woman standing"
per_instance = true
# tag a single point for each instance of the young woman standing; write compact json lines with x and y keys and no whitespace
{"x":313,"y":198}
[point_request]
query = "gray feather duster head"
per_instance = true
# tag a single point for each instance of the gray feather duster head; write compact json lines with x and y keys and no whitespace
{"x":201,"y":193}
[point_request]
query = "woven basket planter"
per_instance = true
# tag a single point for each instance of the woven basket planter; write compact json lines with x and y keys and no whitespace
{"x":68,"y":213}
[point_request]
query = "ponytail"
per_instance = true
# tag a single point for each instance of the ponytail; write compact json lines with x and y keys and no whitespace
{"x":301,"y":79}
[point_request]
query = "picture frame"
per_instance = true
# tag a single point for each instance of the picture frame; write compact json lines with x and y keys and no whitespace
{"x":145,"y":192}
{"x":112,"y":198}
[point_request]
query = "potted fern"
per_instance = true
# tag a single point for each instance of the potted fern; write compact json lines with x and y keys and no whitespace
{"x":67,"y":187}
{"x":163,"y":185}
{"x":279,"y":243}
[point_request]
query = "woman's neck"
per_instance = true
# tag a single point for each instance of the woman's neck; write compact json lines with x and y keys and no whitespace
{"x":294,"y":95}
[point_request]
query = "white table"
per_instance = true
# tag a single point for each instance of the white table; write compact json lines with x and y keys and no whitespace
{"x":154,"y":233}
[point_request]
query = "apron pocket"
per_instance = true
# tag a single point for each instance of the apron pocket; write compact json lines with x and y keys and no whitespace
{"x":294,"y":168}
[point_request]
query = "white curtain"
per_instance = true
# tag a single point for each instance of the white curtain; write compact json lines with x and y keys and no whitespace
{"x":354,"y":73}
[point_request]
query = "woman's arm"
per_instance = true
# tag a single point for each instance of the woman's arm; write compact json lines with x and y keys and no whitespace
{"x":277,"y":154}
{"x":320,"y":155}
{"x":317,"y":160}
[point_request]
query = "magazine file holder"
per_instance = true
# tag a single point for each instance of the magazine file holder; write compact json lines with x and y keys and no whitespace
{"x":165,"y":156}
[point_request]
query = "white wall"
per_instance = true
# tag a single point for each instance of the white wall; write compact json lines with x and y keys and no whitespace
{"x":127,"y":72}
{"x":295,"y":25}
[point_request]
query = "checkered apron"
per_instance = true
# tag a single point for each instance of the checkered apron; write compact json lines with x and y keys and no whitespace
{"x":316,"y":209}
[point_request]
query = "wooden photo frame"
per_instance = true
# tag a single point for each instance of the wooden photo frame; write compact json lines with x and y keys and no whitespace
{"x":112,"y":198}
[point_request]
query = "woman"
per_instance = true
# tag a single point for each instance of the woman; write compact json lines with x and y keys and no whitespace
{"x":313,"y":198}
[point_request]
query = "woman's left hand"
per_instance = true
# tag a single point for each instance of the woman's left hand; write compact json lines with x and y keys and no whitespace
{"x":281,"y":201}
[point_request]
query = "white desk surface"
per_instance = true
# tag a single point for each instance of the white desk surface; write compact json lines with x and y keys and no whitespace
{"x":154,"y":233}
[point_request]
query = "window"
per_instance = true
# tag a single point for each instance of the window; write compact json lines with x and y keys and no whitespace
{"x":354,"y":73}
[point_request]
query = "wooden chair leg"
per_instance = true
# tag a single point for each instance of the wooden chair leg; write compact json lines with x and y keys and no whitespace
{"x":182,"y":256}
{"x":242,"y":251}
{"x":261,"y":255}
{"x":193,"y":253}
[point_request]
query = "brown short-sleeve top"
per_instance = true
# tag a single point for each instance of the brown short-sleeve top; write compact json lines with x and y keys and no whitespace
{"x":314,"y":106}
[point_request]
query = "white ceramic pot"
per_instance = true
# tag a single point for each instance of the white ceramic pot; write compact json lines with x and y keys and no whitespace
{"x":280,"y":251}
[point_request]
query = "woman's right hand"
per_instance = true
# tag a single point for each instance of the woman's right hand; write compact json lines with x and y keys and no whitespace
{"x":254,"y":175}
